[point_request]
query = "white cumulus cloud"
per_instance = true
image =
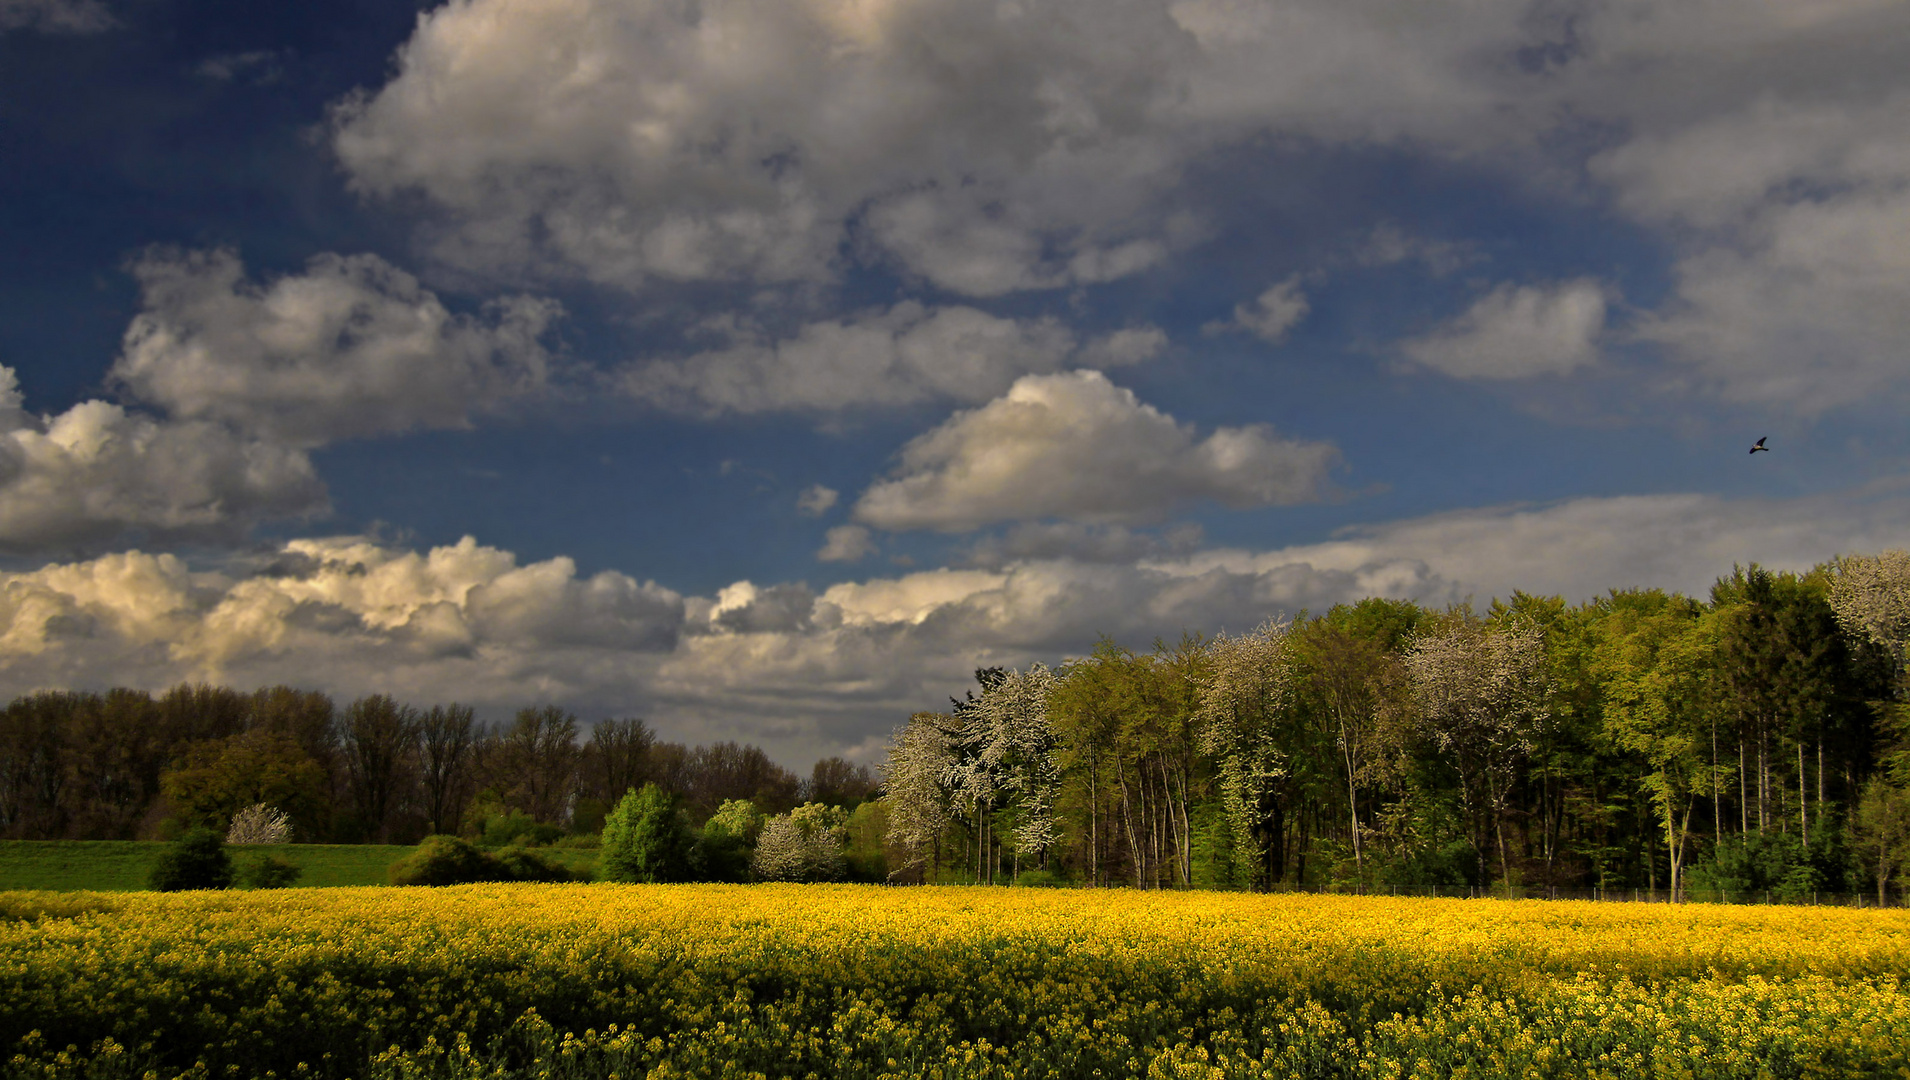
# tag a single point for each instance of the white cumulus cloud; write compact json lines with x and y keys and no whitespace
{"x":462,"y":622}
{"x":97,"y":473}
{"x":1074,"y":446}
{"x":982,"y":147}
{"x":351,"y":347}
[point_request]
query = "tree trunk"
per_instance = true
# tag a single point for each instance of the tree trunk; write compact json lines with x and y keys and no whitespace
{"x":1803,"y":798}
{"x":1093,"y":820}
{"x":1744,"y":800}
{"x":1127,"y":821}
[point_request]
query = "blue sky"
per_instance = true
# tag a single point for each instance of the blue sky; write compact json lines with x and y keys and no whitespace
{"x":763,"y":371}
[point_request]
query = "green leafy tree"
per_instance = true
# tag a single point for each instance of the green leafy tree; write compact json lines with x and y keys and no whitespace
{"x":1881,"y":832}
{"x":1657,"y":663}
{"x":646,"y":839}
{"x":219,"y":778}
{"x":728,"y":840}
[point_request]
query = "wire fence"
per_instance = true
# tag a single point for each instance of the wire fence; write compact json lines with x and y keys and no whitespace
{"x":1613,"y":895}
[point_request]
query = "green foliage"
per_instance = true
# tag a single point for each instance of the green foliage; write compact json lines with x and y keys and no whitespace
{"x":197,"y":860}
{"x":863,"y":853}
{"x":1880,"y":834}
{"x":1751,"y":866}
{"x":728,"y":840}
{"x":447,"y":860}
{"x":1449,"y":867}
{"x":268,"y":872}
{"x":646,"y":839}
{"x":517,"y":828}
{"x":523,"y":864}
{"x":738,"y":818}
{"x":219,"y":778}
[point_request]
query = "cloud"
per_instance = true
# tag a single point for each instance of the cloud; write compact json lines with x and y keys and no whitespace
{"x":1768,"y":144}
{"x":1271,"y":314}
{"x":905,"y":355}
{"x":847,"y":544}
{"x":985,"y":149}
{"x":1387,"y":245}
{"x":350,"y":348}
{"x":260,"y":67}
{"x":1518,"y":331}
{"x":981,"y":148}
{"x":744,"y":608}
{"x":463,"y":622}
{"x":630,"y":142}
{"x":875,"y":650}
{"x":1124,"y":348}
{"x":1807,"y":314}
{"x":56,"y":16}
{"x":96,"y":473}
{"x":1075,"y":446}
{"x":806,"y":673}
{"x":816,"y":500}
{"x":1034,"y":540}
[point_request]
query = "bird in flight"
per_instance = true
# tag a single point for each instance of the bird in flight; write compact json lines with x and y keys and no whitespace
{"x":1760,"y":446}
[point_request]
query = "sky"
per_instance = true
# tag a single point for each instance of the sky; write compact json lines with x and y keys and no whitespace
{"x":762,"y":370}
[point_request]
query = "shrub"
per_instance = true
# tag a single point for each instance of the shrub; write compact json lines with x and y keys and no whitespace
{"x":521,"y":864}
{"x":260,"y":824}
{"x":196,"y":860}
{"x":646,"y":839}
{"x":268,"y":872}
{"x":446,"y":860}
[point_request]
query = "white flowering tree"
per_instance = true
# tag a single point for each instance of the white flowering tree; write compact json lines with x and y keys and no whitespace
{"x":260,"y":824}
{"x":1016,"y":749}
{"x":915,"y":789}
{"x":1480,"y":688}
{"x":1246,"y":699}
{"x":1871,"y":596}
{"x":802,"y":845}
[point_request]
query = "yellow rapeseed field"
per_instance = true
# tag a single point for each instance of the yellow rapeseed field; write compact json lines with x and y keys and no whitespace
{"x":864,"y":981}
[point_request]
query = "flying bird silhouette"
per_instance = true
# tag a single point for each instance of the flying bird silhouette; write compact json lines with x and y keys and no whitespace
{"x":1760,"y":446}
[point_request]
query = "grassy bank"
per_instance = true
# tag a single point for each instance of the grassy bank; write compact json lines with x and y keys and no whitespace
{"x":120,"y":865}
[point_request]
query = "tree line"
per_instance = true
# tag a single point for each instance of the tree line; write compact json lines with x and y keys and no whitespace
{"x":128,"y":764}
{"x":1752,"y":742}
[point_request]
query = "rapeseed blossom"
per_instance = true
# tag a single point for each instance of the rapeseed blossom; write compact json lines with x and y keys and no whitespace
{"x":789,"y":980}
